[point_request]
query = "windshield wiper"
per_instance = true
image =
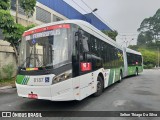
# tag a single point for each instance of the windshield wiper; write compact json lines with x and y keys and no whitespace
{"x":28,"y":63}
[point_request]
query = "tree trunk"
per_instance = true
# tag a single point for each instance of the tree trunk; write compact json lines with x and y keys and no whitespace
{"x":16,"y":11}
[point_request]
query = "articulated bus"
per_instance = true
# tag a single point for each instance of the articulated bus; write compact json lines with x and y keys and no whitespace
{"x":70,"y":60}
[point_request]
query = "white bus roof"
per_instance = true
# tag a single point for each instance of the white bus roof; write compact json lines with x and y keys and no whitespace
{"x":90,"y":29}
{"x":85,"y":26}
{"x":132,"y":51}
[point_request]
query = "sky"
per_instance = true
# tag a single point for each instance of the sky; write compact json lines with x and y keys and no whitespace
{"x":125,"y":16}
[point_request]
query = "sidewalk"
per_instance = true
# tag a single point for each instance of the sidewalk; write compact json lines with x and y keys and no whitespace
{"x":7,"y":87}
{"x":8,"y":84}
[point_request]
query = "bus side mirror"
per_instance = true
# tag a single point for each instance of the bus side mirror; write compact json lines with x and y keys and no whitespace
{"x":79,"y":35}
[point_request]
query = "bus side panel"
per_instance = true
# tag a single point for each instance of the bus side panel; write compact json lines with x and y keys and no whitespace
{"x":76,"y":87}
{"x":106,"y":77}
{"x":86,"y":83}
{"x":62,"y":91}
{"x":131,"y":70}
{"x":114,"y":76}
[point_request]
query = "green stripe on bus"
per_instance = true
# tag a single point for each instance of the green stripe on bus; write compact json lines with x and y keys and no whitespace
{"x":19,"y":79}
{"x":114,"y":75}
{"x":111,"y":77}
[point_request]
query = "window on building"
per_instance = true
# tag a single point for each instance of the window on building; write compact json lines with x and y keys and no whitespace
{"x":56,"y":18}
{"x":43,"y":15}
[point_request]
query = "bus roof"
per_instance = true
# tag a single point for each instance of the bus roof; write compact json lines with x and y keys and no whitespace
{"x":90,"y":29}
{"x":85,"y":26}
{"x":132,"y":51}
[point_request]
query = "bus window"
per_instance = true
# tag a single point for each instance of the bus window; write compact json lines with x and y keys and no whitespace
{"x":85,"y":43}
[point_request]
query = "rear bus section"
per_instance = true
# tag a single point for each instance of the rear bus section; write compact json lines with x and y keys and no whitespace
{"x":134,"y":62}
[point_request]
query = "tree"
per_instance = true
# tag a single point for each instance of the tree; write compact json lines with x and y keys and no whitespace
{"x":150,"y":28}
{"x":4,"y":4}
{"x":141,"y":39}
{"x":27,"y":5}
{"x":111,"y":34}
{"x":145,"y":38}
{"x":12,"y":31}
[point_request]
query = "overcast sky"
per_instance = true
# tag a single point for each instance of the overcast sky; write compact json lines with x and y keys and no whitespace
{"x":125,"y":16}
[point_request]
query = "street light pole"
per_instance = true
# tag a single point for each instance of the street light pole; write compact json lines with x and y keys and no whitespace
{"x":126,"y":44}
{"x":85,"y":15}
{"x":130,"y":41}
{"x":158,"y":57}
{"x":94,"y":10}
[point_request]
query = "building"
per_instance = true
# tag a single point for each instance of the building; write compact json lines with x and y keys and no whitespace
{"x":46,"y":11}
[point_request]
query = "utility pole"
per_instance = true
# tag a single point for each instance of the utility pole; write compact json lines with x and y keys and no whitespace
{"x":130,"y":41}
{"x":158,"y":57}
{"x":16,"y":11}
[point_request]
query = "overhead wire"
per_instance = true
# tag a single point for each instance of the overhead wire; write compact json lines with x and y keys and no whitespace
{"x":79,"y":6}
{"x":96,"y":14}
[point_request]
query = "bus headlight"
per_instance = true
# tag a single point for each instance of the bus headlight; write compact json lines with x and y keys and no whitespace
{"x":62,"y":77}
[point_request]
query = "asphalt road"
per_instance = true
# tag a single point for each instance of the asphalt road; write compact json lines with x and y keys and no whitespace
{"x":136,"y":93}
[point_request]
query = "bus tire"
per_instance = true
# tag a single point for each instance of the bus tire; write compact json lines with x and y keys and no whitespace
{"x":100,"y":85}
{"x":136,"y":72}
{"x":120,"y":77}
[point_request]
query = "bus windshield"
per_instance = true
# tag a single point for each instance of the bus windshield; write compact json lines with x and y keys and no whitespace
{"x":44,"y":49}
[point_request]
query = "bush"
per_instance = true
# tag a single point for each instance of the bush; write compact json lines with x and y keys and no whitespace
{"x":149,"y":66}
{"x":149,"y":57}
{"x":8,"y":70}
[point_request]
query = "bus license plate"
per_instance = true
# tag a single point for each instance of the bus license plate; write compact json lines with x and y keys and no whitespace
{"x":33,"y":96}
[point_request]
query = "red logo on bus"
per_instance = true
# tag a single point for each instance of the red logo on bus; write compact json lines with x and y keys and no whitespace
{"x":86,"y":66}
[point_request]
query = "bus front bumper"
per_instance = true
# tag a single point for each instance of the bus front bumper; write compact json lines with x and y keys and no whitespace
{"x":45,"y":92}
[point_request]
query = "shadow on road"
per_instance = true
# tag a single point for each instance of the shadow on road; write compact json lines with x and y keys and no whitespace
{"x":54,"y":106}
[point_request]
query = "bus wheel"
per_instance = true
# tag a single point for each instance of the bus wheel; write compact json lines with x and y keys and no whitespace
{"x":120,"y":77}
{"x":136,"y":71}
{"x":99,"y":87}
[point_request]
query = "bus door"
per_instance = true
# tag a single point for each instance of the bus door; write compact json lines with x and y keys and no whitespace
{"x":85,"y":65}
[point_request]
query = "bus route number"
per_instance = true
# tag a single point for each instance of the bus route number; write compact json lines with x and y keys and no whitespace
{"x":38,"y":80}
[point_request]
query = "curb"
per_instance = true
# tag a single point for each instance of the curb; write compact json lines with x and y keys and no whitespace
{"x":7,"y":87}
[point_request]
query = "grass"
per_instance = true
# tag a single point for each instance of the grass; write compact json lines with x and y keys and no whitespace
{"x":7,"y":82}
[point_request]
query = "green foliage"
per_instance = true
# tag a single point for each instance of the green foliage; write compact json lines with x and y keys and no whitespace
{"x":7,"y":21}
{"x":8,"y":70}
{"x":14,"y":34}
{"x":0,"y":75}
{"x":145,"y":38}
{"x":149,"y":56}
{"x":30,"y":26}
{"x":111,"y":34}
{"x":149,"y":53}
{"x":149,"y":29}
{"x":28,"y":7}
{"x":4,"y":4}
{"x":134,"y":47}
{"x":149,"y":66}
{"x":12,"y":31}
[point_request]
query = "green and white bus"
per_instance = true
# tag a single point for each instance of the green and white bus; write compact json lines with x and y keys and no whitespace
{"x":70,"y":60}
